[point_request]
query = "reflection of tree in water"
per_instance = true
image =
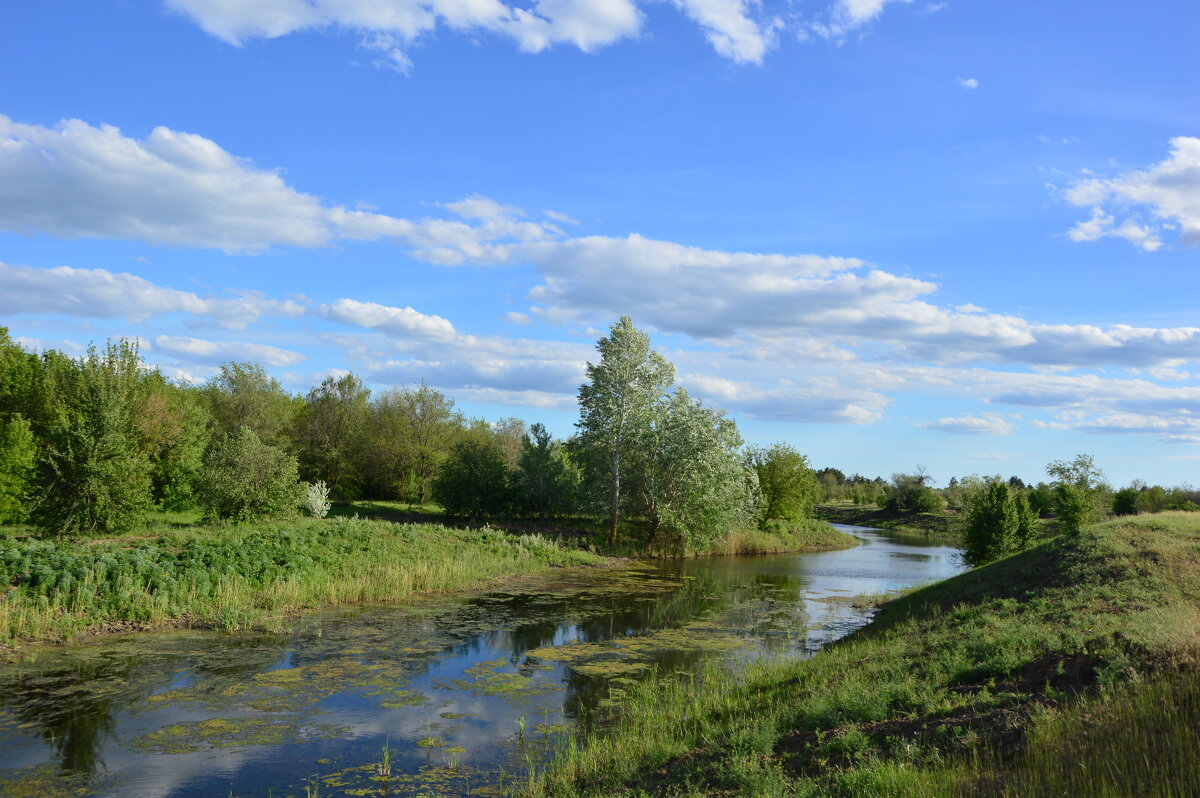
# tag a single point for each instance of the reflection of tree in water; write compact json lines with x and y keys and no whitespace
{"x":72,"y":708}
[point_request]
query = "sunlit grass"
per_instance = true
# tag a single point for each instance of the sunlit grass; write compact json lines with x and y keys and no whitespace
{"x":234,"y":577}
{"x":936,"y":695}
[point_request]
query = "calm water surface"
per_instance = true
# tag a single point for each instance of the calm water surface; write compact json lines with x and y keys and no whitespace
{"x":465,"y":693}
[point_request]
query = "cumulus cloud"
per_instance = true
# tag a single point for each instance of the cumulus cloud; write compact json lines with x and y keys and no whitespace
{"x":212,"y":352}
{"x":985,"y":424}
{"x":96,"y":293}
{"x":404,"y":322}
{"x":1143,"y":205}
{"x":847,"y":15}
{"x":392,"y":26}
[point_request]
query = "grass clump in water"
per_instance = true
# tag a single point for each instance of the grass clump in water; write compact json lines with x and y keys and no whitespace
{"x":234,"y":577}
{"x":976,"y":685}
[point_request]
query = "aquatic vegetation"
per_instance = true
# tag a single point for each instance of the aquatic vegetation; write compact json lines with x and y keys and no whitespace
{"x":234,"y":577}
{"x":186,"y":738}
{"x":487,"y":678}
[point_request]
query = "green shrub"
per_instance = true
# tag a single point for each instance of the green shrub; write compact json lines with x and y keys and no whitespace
{"x":244,"y":479}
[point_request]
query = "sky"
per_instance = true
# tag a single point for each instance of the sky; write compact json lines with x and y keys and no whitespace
{"x":963,"y":235}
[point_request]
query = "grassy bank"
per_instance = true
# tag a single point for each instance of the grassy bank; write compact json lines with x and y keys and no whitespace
{"x":235,"y":577}
{"x":942,"y":525}
{"x":785,"y":536}
{"x":1007,"y":680}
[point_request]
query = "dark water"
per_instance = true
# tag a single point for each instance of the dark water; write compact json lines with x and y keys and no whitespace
{"x":465,"y":693}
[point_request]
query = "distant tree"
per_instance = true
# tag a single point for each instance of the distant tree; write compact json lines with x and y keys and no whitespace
{"x":1073,"y":506}
{"x":510,"y":434}
{"x":93,"y":477}
{"x":1080,"y":472}
{"x":787,"y":483}
{"x":173,"y":432}
{"x":909,"y":493}
{"x":1041,"y":499}
{"x":1028,"y":528}
{"x":244,"y":479}
{"x":1125,"y":502}
{"x":474,"y":480}
{"x":545,"y":477}
{"x":617,"y":406}
{"x":412,"y":433}
{"x":1016,"y":483}
{"x":333,"y":429}
{"x":244,"y":395}
{"x":992,"y":524}
{"x":1152,"y":499}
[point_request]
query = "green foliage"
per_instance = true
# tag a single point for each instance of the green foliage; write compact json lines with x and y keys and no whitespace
{"x":93,"y":478}
{"x":244,"y":395}
{"x":787,"y":483}
{"x":993,"y":524}
{"x":1041,"y":500}
{"x":909,"y":493}
{"x":618,"y":404}
{"x":1080,"y":472}
{"x":1073,"y":506}
{"x":1125,"y":502}
{"x":412,"y":433}
{"x":18,"y":452}
{"x":172,"y":427}
{"x":474,"y":480}
{"x":244,"y":479}
{"x":1028,"y":528}
{"x":332,"y":435}
{"x":546,"y":481}
{"x":689,"y":479}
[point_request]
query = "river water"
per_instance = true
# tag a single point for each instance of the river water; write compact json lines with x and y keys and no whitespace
{"x":448,"y":696}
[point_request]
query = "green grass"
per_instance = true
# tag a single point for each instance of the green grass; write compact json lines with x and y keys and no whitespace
{"x":234,"y":577}
{"x":943,"y":692}
{"x":808,"y":534}
{"x":944,"y":525}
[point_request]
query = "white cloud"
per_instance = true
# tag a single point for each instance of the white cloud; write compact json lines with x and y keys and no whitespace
{"x":967,"y":83}
{"x":847,"y":15}
{"x":96,"y":293}
{"x":391,"y":26}
{"x":729,"y":28}
{"x":212,"y":352}
{"x":986,"y":424}
{"x":1168,"y":191}
{"x":404,"y":322}
{"x":513,"y":317}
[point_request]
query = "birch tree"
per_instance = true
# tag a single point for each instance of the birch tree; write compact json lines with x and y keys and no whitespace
{"x":617,"y":407}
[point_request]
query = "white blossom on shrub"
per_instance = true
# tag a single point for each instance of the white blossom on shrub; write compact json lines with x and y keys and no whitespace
{"x":316,"y":499}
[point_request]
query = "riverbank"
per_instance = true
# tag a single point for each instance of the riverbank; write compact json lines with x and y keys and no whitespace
{"x":178,"y":573}
{"x":941,"y":525}
{"x":251,"y":576}
{"x":964,"y":687}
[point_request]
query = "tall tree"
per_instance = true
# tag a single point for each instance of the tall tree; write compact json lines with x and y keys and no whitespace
{"x":333,"y":431}
{"x":616,"y":409}
{"x":690,"y":478}
{"x":244,"y":395}
{"x":412,"y":433}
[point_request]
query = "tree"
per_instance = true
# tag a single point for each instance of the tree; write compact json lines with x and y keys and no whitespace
{"x":617,"y":406}
{"x":245,"y":479}
{"x":787,"y":483}
{"x":545,"y":477}
{"x":689,"y":479}
{"x":243,"y":395}
{"x":474,"y":479}
{"x":18,"y":453}
{"x":1073,"y":506}
{"x":1027,"y":520}
{"x":992,"y":524}
{"x":1080,"y":472}
{"x":1076,"y":484}
{"x":173,"y":433}
{"x":93,"y":478}
{"x":412,"y":433}
{"x":332,"y":434}
{"x":1125,"y":502}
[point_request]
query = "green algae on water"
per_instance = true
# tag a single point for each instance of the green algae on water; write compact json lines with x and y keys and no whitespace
{"x":213,"y":733}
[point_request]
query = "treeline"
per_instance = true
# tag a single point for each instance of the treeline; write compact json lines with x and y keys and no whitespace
{"x":90,"y":445}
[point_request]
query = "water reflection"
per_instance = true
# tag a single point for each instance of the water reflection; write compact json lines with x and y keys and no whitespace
{"x":459,"y":689}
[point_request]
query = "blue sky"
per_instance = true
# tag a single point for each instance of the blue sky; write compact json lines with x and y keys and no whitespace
{"x":956,"y":234}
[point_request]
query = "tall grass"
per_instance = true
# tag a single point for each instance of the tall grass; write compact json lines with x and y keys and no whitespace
{"x":233,"y":577}
{"x":807,"y":534}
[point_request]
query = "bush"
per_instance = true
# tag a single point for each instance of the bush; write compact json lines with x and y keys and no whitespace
{"x":992,"y":524}
{"x":1125,"y":502}
{"x":316,"y":499}
{"x":244,"y":479}
{"x":1073,"y":506}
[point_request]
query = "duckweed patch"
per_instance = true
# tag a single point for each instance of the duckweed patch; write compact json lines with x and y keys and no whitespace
{"x":186,"y":738}
{"x":487,"y":678}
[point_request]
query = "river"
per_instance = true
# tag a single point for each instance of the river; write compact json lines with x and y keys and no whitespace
{"x":446,"y":696}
